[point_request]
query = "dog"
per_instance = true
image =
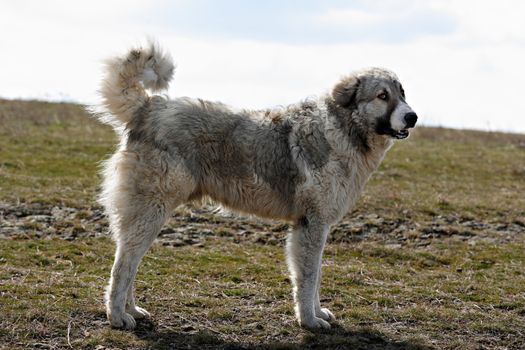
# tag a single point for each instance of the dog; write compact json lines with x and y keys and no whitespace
{"x":306,"y":163}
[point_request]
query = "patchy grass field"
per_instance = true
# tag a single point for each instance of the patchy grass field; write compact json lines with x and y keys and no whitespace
{"x":432,"y":258}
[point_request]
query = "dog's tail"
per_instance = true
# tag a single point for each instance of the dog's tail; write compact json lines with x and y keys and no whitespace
{"x":126,"y":79}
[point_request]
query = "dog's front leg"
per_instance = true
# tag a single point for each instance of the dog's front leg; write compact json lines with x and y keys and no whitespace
{"x":322,"y":312}
{"x":304,"y":251}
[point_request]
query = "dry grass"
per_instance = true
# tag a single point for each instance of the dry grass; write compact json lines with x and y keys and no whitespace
{"x":226,"y":294}
{"x":50,"y":153}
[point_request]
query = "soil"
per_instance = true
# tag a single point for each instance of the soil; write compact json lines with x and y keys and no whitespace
{"x":194,"y":226}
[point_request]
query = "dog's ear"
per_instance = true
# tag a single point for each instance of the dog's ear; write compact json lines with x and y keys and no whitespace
{"x":344,"y":92}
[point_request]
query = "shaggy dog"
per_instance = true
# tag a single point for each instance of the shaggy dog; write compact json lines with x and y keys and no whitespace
{"x":306,"y":163}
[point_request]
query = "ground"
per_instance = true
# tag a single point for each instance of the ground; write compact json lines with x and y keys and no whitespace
{"x":432,"y":257}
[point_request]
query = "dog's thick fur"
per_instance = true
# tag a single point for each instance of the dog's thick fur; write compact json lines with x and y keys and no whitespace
{"x":306,"y":163}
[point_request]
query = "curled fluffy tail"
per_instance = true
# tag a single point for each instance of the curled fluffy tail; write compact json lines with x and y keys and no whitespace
{"x":126,"y":80}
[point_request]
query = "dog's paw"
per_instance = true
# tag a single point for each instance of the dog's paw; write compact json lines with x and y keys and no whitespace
{"x":123,"y":321}
{"x":325,"y":314}
{"x":138,"y":313}
{"x":314,"y":323}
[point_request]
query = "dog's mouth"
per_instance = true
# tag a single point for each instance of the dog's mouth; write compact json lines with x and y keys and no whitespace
{"x":396,"y":134}
{"x":384,"y":128}
{"x":401,"y":134}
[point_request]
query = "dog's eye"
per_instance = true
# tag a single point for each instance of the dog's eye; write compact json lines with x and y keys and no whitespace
{"x":383,"y":96}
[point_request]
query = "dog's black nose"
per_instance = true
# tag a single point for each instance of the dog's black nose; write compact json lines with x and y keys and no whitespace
{"x":411,"y":119}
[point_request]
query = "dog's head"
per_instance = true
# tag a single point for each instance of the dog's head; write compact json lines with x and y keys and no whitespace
{"x":379,"y":100}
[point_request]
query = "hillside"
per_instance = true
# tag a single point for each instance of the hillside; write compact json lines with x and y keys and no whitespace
{"x":432,"y":257}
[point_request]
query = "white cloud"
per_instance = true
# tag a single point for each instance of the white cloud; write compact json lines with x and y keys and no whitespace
{"x":486,"y":22}
{"x":341,"y":17}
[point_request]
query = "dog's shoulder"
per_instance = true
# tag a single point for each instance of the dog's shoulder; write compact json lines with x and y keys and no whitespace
{"x":309,"y":140}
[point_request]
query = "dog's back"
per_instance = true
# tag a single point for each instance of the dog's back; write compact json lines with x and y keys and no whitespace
{"x":241,"y":159}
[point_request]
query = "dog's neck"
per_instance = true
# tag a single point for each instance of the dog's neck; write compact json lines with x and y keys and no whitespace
{"x":348,"y":134}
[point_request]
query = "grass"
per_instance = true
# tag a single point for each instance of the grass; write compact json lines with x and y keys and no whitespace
{"x":466,"y":293}
{"x":230,"y":294}
{"x":441,"y":171}
{"x":49,"y":153}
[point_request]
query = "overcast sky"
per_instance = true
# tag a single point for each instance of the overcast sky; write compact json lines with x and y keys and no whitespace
{"x":461,"y":61}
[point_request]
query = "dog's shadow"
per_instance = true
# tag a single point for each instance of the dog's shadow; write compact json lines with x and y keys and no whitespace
{"x":336,"y":338}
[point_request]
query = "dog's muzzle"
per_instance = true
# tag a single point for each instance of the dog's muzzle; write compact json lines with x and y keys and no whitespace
{"x":410,"y":121}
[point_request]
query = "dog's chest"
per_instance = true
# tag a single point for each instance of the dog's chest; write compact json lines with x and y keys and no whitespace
{"x":341,"y":183}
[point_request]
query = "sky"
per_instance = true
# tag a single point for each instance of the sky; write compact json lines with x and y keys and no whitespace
{"x":461,"y":62}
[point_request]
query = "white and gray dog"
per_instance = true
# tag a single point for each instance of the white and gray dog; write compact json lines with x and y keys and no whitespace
{"x":306,"y":163}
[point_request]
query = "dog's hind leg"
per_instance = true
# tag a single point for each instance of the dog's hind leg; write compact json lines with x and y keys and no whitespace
{"x":139,"y":192}
{"x":304,"y":251}
{"x":136,"y":229}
